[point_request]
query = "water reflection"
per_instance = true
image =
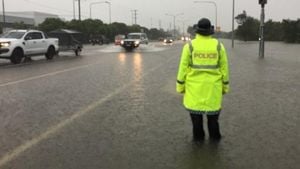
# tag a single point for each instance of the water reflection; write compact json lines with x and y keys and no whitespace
{"x":122,"y":57}
{"x":202,"y":155}
{"x":137,"y":62}
{"x":129,"y":60}
{"x":137,"y":92}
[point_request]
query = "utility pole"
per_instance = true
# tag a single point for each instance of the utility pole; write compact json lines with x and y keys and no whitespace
{"x":101,"y":2}
{"x":183,"y":26}
{"x":159,"y":24}
{"x":134,"y":15}
{"x":79,"y":10}
{"x":262,"y":20}
{"x":109,"y":4}
{"x":74,"y":9}
{"x":174,"y":20}
{"x":3,"y":9}
{"x":232,"y":34}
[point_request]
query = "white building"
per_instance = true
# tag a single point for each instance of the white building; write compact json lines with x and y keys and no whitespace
{"x":28,"y":18}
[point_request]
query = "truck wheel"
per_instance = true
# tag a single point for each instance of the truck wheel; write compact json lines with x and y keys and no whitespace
{"x":17,"y":56}
{"x":50,"y":53}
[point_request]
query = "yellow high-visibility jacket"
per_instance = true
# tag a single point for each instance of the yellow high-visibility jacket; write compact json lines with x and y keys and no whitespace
{"x":203,"y":75}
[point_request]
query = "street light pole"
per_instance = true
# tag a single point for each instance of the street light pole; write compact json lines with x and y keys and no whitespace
{"x":262,"y":20}
{"x":232,"y":34}
{"x":79,"y":10}
{"x":74,"y":9}
{"x":215,"y":4}
{"x":174,"y":20}
{"x":109,"y":5}
{"x":3,"y":9}
{"x":183,"y":26}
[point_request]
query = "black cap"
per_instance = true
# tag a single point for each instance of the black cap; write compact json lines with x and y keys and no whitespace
{"x":204,"y":27}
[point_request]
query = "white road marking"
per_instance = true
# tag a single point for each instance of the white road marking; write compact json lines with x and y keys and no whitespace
{"x":56,"y":128}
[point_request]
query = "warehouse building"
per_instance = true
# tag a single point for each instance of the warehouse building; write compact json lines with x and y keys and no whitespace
{"x":28,"y":18}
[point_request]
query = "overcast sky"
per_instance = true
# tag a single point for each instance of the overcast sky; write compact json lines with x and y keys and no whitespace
{"x":152,"y":12}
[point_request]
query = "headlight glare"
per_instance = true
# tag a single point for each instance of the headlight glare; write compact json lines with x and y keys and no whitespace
{"x":4,"y":44}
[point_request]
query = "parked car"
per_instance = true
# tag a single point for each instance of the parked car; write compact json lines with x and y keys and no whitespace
{"x":133,"y":40}
{"x":19,"y":44}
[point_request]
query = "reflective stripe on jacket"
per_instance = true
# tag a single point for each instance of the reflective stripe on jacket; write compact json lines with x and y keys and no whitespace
{"x":203,"y":74}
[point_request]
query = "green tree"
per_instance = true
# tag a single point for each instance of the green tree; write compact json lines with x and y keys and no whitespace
{"x":241,"y":18}
{"x":51,"y":24}
{"x":291,"y":31}
{"x":91,"y":26}
{"x":154,"y":33}
{"x":135,"y":28}
{"x":117,"y":28}
{"x":95,"y":27}
{"x":21,"y":25}
{"x":75,"y":25}
{"x":273,"y":31}
{"x":248,"y":30}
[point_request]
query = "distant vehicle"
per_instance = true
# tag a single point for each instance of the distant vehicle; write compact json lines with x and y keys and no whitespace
{"x":185,"y":38}
{"x":16,"y":45}
{"x":95,"y":41}
{"x":68,"y":40}
{"x":168,"y":40}
{"x":98,"y":39}
{"x":118,"y":39}
{"x":104,"y":39}
{"x":133,"y":40}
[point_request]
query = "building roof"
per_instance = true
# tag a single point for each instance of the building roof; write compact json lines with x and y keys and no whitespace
{"x":30,"y":14}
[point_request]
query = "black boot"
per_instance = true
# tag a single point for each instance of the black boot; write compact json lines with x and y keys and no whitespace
{"x":198,"y":132}
{"x":213,"y":127}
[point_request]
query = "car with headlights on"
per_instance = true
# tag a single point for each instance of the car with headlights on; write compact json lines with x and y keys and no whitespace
{"x":168,"y":40}
{"x":134,"y":40}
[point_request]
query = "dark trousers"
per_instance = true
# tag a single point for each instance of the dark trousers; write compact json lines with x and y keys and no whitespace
{"x":212,"y":125}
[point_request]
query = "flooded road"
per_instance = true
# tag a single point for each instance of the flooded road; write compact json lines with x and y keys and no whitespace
{"x":111,"y":109}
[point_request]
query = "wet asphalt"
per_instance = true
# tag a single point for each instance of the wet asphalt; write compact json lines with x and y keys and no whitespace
{"x":111,"y":109}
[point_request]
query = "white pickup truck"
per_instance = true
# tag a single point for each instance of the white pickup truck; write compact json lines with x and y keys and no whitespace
{"x":19,"y":44}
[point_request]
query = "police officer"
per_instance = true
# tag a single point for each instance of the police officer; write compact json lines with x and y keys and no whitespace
{"x":203,"y":78}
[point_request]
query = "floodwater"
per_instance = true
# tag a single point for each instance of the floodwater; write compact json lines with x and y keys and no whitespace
{"x":122,"y":112}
